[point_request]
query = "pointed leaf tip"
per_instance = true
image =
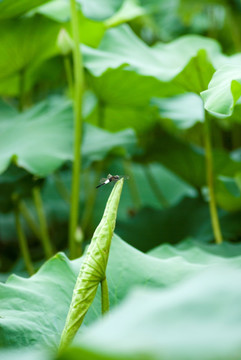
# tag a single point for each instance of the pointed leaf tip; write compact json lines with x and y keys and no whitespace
{"x":93,"y":268}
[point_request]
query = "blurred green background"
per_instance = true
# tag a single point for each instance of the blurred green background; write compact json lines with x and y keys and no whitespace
{"x":145,"y":63}
{"x":160,"y":103}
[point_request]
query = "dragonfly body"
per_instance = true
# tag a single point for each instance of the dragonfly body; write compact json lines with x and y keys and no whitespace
{"x":110,"y":178}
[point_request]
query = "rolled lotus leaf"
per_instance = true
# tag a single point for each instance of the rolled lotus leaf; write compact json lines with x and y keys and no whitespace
{"x":93,"y":270}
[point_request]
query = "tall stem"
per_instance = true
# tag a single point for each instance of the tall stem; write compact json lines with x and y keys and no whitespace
{"x":105,"y":303}
{"x":42,"y":222}
{"x":23,"y":243}
{"x":28,"y":218}
{"x":78,"y":92}
{"x":210,"y":182}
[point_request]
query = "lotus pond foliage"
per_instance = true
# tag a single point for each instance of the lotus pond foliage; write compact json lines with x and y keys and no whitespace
{"x":150,"y":268}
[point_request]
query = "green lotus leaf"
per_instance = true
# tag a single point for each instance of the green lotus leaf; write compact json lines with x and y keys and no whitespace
{"x":226,"y":249}
{"x":228,"y":193}
{"x":180,"y":156}
{"x":33,"y":311}
{"x":7,"y":110}
{"x":130,"y":10}
{"x":60,"y":9}
{"x":166,"y":191}
{"x":224,"y":89}
{"x":15,"y":182}
{"x":138,"y":72}
{"x":184,"y":111}
{"x":190,"y":320}
{"x":90,"y":31}
{"x":11,"y":8}
{"x":93,"y":10}
{"x":196,"y":252}
{"x":26,"y":42}
{"x":93,"y":269}
{"x":115,"y":118}
{"x":98,"y":143}
{"x":97,"y":10}
{"x":115,"y":13}
{"x":190,"y":217}
{"x":41,"y":139}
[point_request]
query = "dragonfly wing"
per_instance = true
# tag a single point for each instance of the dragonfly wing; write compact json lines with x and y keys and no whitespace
{"x":103,"y":180}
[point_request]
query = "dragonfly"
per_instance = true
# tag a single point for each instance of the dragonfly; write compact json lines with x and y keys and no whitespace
{"x":111,"y":178}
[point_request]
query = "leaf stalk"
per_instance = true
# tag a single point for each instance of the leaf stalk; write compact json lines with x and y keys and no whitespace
{"x":28,"y":218}
{"x":78,"y":93}
{"x":105,"y":303}
{"x":23,"y":242}
{"x":210,"y":182}
{"x":42,"y":222}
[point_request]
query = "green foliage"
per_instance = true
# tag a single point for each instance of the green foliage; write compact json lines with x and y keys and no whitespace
{"x":159,"y":96}
{"x":56,"y":279}
{"x":16,"y":184}
{"x":190,"y":216}
{"x":25,"y":42}
{"x":227,"y":79}
{"x":100,"y":11}
{"x":10,"y":8}
{"x":41,"y":139}
{"x":183,"y":111}
{"x":150,"y":323}
{"x":159,"y":71}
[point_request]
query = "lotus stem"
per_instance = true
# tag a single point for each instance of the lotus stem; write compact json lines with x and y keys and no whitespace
{"x":105,"y":303}
{"x":23,"y":243}
{"x":210,"y":182}
{"x":78,"y":93}
{"x":42,"y":222}
{"x":28,"y":218}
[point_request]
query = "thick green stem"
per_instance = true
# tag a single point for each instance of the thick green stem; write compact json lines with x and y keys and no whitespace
{"x":68,"y":71}
{"x":210,"y":182}
{"x":28,"y":218}
{"x":42,"y":222}
{"x":132,"y":184}
{"x":23,"y":243}
{"x":78,"y":92}
{"x":105,"y":303}
{"x":155,"y":188}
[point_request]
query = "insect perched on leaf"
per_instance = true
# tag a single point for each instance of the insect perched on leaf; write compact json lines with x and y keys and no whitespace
{"x":111,"y":178}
